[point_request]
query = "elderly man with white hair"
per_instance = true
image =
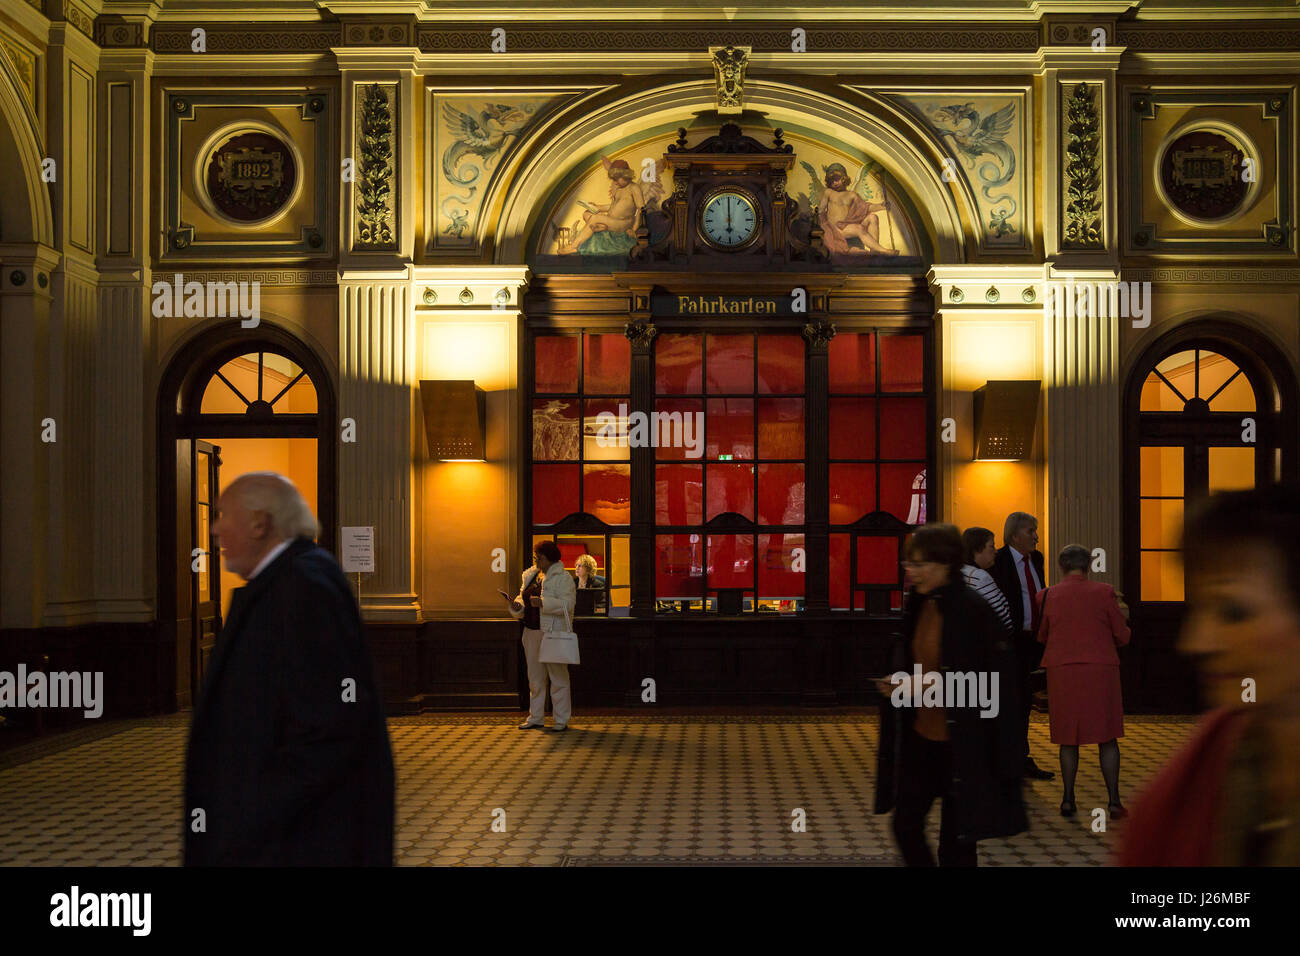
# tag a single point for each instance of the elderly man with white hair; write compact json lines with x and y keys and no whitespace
{"x":289,"y":761}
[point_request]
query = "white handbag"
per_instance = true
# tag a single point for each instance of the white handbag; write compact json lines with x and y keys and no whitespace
{"x":560,"y":647}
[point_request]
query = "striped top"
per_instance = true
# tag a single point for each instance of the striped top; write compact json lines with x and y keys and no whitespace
{"x":981,"y":582}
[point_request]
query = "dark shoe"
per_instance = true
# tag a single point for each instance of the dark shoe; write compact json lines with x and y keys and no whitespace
{"x":1117,"y":811}
{"x":1068,"y":808}
{"x":556,"y":730}
{"x":1034,"y":772}
{"x":527,"y":726}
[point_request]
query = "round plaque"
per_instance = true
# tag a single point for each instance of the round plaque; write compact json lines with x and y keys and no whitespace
{"x":1201,"y":175}
{"x":250,"y":177}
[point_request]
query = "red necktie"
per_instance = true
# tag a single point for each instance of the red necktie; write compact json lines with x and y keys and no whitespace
{"x":1033,"y":605}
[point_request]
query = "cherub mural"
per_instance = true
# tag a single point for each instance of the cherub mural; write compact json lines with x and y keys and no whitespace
{"x":608,"y":229}
{"x":973,"y":139}
{"x":847,"y":214}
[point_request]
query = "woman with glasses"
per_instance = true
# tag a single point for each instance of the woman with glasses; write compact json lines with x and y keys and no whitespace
{"x":950,"y":750}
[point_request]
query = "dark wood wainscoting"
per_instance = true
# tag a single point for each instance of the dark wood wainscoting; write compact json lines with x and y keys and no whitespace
{"x":742,"y":661}
{"x":138,"y":672}
{"x":749,"y":661}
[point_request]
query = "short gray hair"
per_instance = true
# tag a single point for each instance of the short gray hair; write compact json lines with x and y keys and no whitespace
{"x":276,"y":495}
{"x":1016,"y":521}
{"x":1074,"y":557}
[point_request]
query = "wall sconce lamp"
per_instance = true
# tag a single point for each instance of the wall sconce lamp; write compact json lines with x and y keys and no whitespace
{"x":1006,"y":414}
{"x":455,"y":420}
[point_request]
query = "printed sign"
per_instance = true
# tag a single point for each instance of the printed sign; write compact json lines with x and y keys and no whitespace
{"x":357,"y":547}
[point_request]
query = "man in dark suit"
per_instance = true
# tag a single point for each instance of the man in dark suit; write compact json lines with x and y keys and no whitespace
{"x":289,"y":761}
{"x":1018,"y":571}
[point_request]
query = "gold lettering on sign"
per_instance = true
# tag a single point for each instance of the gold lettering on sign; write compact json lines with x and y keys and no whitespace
{"x":724,"y":305}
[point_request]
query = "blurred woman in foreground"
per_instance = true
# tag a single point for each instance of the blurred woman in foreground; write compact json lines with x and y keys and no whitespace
{"x":1231,"y":796}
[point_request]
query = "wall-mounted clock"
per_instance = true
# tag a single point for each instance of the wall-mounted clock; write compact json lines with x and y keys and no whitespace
{"x":730,"y":218}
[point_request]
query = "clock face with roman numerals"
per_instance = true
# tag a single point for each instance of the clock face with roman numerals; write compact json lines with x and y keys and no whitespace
{"x":729,"y":219}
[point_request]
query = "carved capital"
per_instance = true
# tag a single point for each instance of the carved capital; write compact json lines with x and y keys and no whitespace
{"x":640,"y":334}
{"x":819,"y":333}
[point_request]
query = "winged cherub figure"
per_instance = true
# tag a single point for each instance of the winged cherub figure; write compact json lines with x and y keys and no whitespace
{"x":974,"y":138}
{"x":486,"y":136}
{"x":610,"y":228}
{"x":846,"y":213}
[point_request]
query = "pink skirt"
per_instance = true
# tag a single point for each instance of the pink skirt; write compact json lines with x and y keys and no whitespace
{"x":1084,"y":703}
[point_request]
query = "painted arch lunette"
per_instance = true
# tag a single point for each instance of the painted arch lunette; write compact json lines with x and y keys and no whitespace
{"x":546,"y":157}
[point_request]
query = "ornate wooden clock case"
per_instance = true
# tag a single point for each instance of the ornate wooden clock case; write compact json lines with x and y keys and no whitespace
{"x":721,"y":177}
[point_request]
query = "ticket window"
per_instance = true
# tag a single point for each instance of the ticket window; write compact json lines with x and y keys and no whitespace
{"x":611,"y":552}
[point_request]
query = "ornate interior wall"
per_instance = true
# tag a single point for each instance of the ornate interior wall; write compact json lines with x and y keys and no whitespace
{"x":398,"y":187}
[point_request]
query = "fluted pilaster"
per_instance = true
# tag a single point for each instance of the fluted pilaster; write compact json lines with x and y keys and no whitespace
{"x":376,"y":391}
{"x":1084,"y":428}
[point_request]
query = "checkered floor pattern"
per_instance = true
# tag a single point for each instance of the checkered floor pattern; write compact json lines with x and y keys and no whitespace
{"x":623,"y":789}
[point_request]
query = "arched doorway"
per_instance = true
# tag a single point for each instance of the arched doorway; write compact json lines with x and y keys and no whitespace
{"x":230,"y":404}
{"x":1209,"y":407}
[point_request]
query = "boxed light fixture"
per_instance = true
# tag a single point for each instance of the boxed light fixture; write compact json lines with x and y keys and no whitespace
{"x":1005,"y":417}
{"x":455,"y":420}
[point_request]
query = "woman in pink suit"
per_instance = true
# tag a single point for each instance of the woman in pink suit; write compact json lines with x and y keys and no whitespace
{"x":1082,"y":625}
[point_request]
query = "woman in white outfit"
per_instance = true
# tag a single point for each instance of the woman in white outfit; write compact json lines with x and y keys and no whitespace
{"x":545,"y":603}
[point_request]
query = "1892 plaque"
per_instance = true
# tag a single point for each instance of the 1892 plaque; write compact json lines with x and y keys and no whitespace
{"x":250,"y":177}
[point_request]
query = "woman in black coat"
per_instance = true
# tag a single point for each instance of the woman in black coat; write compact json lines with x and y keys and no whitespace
{"x":950,"y":752}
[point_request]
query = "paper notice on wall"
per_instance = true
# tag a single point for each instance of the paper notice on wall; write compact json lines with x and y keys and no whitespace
{"x":358,"y":550}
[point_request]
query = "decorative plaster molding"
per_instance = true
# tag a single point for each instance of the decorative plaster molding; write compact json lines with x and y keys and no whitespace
{"x":1213,"y":274}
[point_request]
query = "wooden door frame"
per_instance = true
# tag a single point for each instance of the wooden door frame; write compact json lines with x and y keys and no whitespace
{"x":179,"y":384}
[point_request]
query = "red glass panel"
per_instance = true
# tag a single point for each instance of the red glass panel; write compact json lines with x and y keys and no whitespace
{"x":902,"y":428}
{"x":780,"y":494}
{"x":852,"y":493}
{"x":878,"y":561}
{"x":776,"y":557}
{"x":730,"y":488}
{"x":730,"y":364}
{"x":678,"y":364}
{"x":570,"y":552}
{"x":606,"y":363}
{"x":902,"y":359}
{"x":731,"y":561}
{"x":679,"y":566}
{"x":607,"y":492}
{"x":780,"y":428}
{"x":729,"y":428}
{"x":555,"y":492}
{"x":852,"y":427}
{"x":685,"y":439}
{"x":780,"y":364}
{"x":902,"y":491}
{"x":679,"y":494}
{"x":556,"y":363}
{"x":555,"y":429}
{"x":604,"y":439}
{"x":839,"y":568}
{"x":851,"y":361}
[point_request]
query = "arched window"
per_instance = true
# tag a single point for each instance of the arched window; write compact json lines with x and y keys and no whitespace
{"x":1202,"y":427}
{"x":259,"y":385}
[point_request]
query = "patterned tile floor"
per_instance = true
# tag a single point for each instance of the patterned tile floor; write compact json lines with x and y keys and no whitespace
{"x":615,"y":789}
